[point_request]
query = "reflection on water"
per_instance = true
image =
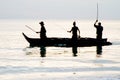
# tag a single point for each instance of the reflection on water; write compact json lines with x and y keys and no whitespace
{"x":99,"y":50}
{"x":74,"y":51}
{"x":43,"y":51}
{"x":29,"y":65}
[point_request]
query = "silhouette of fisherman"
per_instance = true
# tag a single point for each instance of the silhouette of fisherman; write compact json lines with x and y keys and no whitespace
{"x":74,"y":31}
{"x":42,"y":31}
{"x":99,"y":30}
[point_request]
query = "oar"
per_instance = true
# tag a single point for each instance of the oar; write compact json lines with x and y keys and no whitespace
{"x":31,"y":28}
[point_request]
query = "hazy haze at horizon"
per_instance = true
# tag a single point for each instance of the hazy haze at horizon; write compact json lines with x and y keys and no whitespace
{"x":58,"y":9}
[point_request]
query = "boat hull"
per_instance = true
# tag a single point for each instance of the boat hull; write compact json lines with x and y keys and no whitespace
{"x":66,"y":42}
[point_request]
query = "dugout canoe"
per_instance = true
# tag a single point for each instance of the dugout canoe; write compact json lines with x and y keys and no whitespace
{"x":66,"y":42}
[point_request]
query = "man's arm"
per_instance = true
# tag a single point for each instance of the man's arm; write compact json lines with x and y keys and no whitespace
{"x":95,"y":23}
{"x":79,"y":32}
{"x":69,"y":31}
{"x":37,"y":32}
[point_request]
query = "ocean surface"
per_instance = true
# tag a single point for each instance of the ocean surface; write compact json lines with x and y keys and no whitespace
{"x":19,"y":62}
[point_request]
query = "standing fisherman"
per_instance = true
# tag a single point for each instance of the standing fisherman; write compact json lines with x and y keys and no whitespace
{"x":74,"y":31}
{"x":99,"y":30}
{"x":42,"y":31}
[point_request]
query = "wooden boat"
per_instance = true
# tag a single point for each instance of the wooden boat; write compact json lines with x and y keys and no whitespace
{"x":66,"y":42}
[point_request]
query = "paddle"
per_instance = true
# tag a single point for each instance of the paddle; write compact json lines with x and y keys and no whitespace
{"x":31,"y":28}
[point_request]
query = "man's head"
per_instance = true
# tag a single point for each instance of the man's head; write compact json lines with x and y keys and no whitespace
{"x":99,"y":23}
{"x":41,"y":23}
{"x":74,"y":23}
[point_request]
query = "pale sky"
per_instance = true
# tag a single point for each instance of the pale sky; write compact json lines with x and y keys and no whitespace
{"x":59,"y":9}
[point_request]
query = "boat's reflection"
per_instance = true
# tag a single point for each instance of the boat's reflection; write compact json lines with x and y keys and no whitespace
{"x":42,"y":51}
{"x":98,"y":51}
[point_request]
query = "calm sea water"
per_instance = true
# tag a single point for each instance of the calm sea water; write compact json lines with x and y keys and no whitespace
{"x":18,"y":62}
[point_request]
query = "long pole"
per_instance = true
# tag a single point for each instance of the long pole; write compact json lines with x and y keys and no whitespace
{"x":30,"y":28}
{"x":97,"y":11}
